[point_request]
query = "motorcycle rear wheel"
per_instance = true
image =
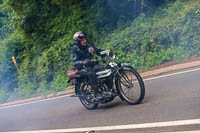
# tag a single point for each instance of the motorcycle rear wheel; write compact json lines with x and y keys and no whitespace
{"x":85,"y":98}
{"x":131,"y":86}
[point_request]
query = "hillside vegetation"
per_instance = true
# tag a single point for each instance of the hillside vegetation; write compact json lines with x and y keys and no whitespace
{"x":39,"y":34}
{"x":172,"y":32}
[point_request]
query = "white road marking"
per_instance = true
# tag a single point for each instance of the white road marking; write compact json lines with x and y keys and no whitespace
{"x":163,"y":76}
{"x":43,"y":100}
{"x":196,"y":131}
{"x":118,"y":127}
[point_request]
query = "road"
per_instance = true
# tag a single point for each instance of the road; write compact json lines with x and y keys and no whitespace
{"x":172,"y":101}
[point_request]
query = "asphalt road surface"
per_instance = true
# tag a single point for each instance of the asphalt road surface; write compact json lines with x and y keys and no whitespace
{"x":171,"y":104}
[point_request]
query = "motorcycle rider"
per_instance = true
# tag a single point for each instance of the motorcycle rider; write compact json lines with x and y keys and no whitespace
{"x":82,"y":57}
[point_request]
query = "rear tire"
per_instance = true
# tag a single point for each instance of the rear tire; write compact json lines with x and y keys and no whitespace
{"x":130,"y":80}
{"x":86,"y":97}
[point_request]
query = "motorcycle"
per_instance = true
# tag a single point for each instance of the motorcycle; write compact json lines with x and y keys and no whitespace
{"x":116,"y":79}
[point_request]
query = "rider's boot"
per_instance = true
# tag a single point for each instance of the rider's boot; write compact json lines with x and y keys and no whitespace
{"x":77,"y":91}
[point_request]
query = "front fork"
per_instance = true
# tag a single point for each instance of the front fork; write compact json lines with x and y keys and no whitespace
{"x":124,"y":79}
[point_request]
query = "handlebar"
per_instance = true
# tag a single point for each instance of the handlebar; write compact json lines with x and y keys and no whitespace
{"x":105,"y":57}
{"x":108,"y":54}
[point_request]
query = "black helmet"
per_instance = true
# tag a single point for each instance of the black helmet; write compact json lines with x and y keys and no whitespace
{"x":78,"y":36}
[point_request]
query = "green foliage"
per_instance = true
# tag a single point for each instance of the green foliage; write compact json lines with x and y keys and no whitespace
{"x":3,"y":96}
{"x":6,"y":25}
{"x":60,"y":82}
{"x":8,"y":73}
{"x":169,"y":34}
{"x":43,"y":88}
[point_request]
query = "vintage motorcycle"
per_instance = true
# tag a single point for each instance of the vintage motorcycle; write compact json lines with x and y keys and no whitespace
{"x":116,"y":79}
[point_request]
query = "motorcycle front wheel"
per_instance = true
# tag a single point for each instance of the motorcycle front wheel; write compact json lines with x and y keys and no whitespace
{"x":131,"y":86}
{"x":86,"y":97}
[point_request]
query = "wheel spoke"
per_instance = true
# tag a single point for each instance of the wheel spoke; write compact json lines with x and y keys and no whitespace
{"x":126,"y":78}
{"x":126,"y":82}
{"x":127,"y":90}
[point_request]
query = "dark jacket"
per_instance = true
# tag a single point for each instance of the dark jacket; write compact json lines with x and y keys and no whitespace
{"x":81,"y":54}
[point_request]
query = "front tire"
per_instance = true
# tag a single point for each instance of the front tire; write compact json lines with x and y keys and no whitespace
{"x":131,"y":86}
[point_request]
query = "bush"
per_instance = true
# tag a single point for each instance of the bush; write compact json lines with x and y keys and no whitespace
{"x":8,"y":72}
{"x":59,"y":83}
{"x":3,"y":96}
{"x":152,"y":40}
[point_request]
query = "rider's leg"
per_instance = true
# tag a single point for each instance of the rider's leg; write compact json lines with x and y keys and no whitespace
{"x":93,"y":81}
{"x":83,"y":74}
{"x":91,"y":75}
{"x":77,"y":88}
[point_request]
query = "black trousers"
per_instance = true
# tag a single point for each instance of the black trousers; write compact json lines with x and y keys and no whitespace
{"x":89,"y":73}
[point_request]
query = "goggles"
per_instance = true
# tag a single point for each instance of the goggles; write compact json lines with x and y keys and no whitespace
{"x":81,"y":36}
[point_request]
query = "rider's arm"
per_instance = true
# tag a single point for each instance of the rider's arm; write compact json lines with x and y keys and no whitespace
{"x":78,"y":63}
{"x":97,"y":50}
{"x":76,"y":58}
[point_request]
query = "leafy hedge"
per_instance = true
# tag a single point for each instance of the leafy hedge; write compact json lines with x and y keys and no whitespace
{"x":170,"y":33}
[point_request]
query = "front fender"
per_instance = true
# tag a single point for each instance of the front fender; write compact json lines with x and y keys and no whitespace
{"x":125,"y":68}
